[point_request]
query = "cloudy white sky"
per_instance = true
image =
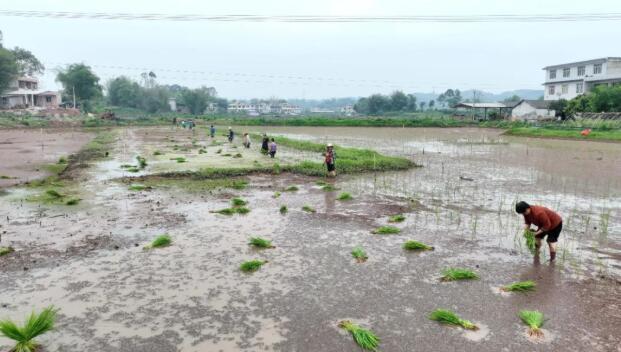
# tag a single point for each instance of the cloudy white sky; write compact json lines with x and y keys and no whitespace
{"x":300,"y":60}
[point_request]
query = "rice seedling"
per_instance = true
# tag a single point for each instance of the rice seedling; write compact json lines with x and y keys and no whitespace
{"x":534,"y":320}
{"x":386,"y":230}
{"x":309,"y":209}
{"x":126,"y":166}
{"x":157,"y":152}
{"x":366,"y":339}
{"x":344,"y":196}
{"x":142,"y":162}
{"x":292,"y":189}
{"x":238,"y":155}
{"x":283,"y":209}
{"x":219,"y":151}
{"x":276,"y":195}
{"x":160,"y":241}
{"x":202,"y":151}
{"x":133,"y":169}
{"x":260,"y":242}
{"x":62,"y":160}
{"x":321,"y":183}
{"x":35,"y":325}
{"x":453,"y":274}
{"x":416,"y":246}
{"x":225,"y":211}
{"x":137,"y":187}
{"x":238,"y":202}
{"x":531,"y":243}
{"x":227,"y":154}
{"x":445,"y":316}
{"x":359,"y":254}
{"x":329,"y":188}
{"x":5,"y":177}
{"x":396,"y":218}
{"x":179,"y":159}
{"x":6,"y":250}
{"x":52,"y":193}
{"x":251,"y":265}
{"x":73,"y":201}
{"x":242,"y":210}
{"x":522,"y":286}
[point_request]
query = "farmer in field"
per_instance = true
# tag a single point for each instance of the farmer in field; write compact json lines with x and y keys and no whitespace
{"x":231,"y":135}
{"x":212,"y":131}
{"x":265,"y":144}
{"x":273,"y":148}
{"x":548,"y":223}
{"x":246,"y":140}
{"x":329,"y":160}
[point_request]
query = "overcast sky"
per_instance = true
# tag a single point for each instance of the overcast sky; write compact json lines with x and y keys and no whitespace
{"x":317,"y":60}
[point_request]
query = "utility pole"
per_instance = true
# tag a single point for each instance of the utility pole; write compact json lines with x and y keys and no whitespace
{"x":73,"y":96}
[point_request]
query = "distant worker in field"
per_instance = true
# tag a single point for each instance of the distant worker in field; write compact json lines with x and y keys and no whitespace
{"x":548,"y":223}
{"x":246,"y":140}
{"x":273,"y":148}
{"x":265,"y":144}
{"x":212,"y":131}
{"x":231,"y":135}
{"x":174,"y":121}
{"x":330,"y":160}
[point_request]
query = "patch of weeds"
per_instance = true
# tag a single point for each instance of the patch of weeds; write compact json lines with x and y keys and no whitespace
{"x":416,"y":246}
{"x":453,"y":274}
{"x":521,"y":286}
{"x":309,"y":209}
{"x":260,"y":242}
{"x":34,"y":326}
{"x":157,"y":152}
{"x":531,"y":243}
{"x":397,"y":218}
{"x":231,"y":211}
{"x":276,"y":195}
{"x":6,"y":250}
{"x":194,"y":185}
{"x":283,"y":209}
{"x":251,"y":265}
{"x":242,"y":210}
{"x":142,"y":162}
{"x":534,"y":320}
{"x":344,"y":196}
{"x":73,"y":201}
{"x":160,"y":241}
{"x":53,"y":194}
{"x":366,"y":339}
{"x":359,"y":254}
{"x":292,"y":189}
{"x":238,"y":202}
{"x":62,"y":160}
{"x":445,"y":316}
{"x":386,"y":230}
{"x":55,"y":169}
{"x":137,"y":187}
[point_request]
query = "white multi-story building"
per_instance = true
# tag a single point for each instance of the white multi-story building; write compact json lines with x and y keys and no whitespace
{"x":567,"y":81}
{"x":24,"y":92}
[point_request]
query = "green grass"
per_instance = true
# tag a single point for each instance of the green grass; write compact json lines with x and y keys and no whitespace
{"x":454,"y":274}
{"x":242,"y":210}
{"x":364,"y":338}
{"x":53,"y":194}
{"x":309,"y":209}
{"x":283,"y":209}
{"x":386,"y":230}
{"x":359,"y":254}
{"x":531,"y":243}
{"x":396,"y":218}
{"x":137,"y":187}
{"x":238,"y":202}
{"x":551,"y":132}
{"x":521,"y":286}
{"x":34,"y":326}
{"x":416,"y":246}
{"x":251,"y":265}
{"x":534,"y":320}
{"x":72,"y":201}
{"x":292,"y":189}
{"x":6,"y":250}
{"x":445,"y":316}
{"x":344,"y":196}
{"x":160,"y":241}
{"x":260,"y":242}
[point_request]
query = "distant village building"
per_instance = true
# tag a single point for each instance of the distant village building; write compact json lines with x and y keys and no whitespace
{"x":531,"y":110}
{"x":347,"y":110}
{"x":322,"y":111}
{"x":24,"y":93}
{"x":567,"y":81}
{"x":239,"y":107}
{"x":172,"y":103}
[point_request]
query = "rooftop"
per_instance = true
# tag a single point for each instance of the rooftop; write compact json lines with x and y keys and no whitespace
{"x":593,"y":61}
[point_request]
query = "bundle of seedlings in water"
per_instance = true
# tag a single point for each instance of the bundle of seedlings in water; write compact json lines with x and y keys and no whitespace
{"x":227,"y":154}
{"x":283,"y":209}
{"x":52,"y":193}
{"x":157,"y":152}
{"x":522,"y":286}
{"x":160,"y":241}
{"x":238,"y":202}
{"x":260,"y":242}
{"x":445,"y":316}
{"x":62,"y":160}
{"x":251,"y":265}
{"x":142,"y":162}
{"x":329,"y":188}
{"x":359,"y":254}
{"x":321,"y":183}
{"x":416,"y":246}
{"x":126,"y":166}
{"x":202,"y":151}
{"x":73,"y":201}
{"x":219,"y":151}
{"x":35,"y":325}
{"x":276,"y":195}
{"x":366,"y":339}
{"x":6,"y":250}
{"x":534,"y":320}
{"x":225,"y":211}
{"x":453,"y":274}
{"x":396,"y":218}
{"x":309,"y":209}
{"x":386,"y":230}
{"x":238,"y":155}
{"x":344,"y":196}
{"x":137,"y":187}
{"x":133,"y":169}
{"x":291,"y":189}
{"x":531,"y":243}
{"x":179,"y":159}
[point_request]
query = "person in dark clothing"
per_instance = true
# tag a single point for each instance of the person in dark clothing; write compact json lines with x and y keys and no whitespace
{"x":265,"y":144}
{"x":212,"y":131}
{"x":548,"y":223}
{"x":231,"y":135}
{"x":330,"y":160}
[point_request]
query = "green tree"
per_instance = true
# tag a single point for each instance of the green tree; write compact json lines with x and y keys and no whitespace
{"x":422,"y":106}
{"x":196,"y":99}
{"x":124,"y":92}
{"x":398,"y":101}
{"x":27,"y":63}
{"x":80,"y":79}
{"x":362,"y":106}
{"x":432,"y":104}
{"x":378,"y":104}
{"x":412,"y":106}
{"x":605,"y":99}
{"x":513,"y":99}
{"x":9,"y":69}
{"x":154,"y":99}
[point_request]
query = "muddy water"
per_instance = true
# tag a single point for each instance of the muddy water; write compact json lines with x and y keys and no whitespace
{"x":115,"y":296}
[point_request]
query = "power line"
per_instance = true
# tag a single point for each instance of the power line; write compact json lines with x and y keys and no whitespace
{"x":567,"y":17}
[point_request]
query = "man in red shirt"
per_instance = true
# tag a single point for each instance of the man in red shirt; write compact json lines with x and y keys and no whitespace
{"x":548,"y":223}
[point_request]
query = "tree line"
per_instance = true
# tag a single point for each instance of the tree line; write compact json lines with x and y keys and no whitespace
{"x":378,"y":104}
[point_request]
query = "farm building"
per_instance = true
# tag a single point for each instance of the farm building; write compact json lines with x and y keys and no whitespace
{"x":531,"y":110}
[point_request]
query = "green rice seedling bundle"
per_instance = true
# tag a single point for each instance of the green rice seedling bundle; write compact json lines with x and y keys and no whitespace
{"x":416,"y":246}
{"x":225,"y":211}
{"x":309,"y":209}
{"x":238,"y":155}
{"x":142,"y":162}
{"x":62,"y":160}
{"x":137,"y":187}
{"x":366,"y":339}
{"x":35,"y":325}
{"x":160,"y":241}
{"x":445,"y":316}
{"x":179,"y":159}
{"x":202,"y":151}
{"x":531,"y":243}
{"x":276,"y":195}
{"x":328,"y":188}
{"x":72,"y":201}
{"x":453,"y":274}
{"x":386,"y":230}
{"x":6,"y":250}
{"x":521,"y":286}
{"x":133,"y":169}
{"x":396,"y":218}
{"x":219,"y":151}
{"x":344,"y":196}
{"x":157,"y":152}
{"x":238,"y":202}
{"x":251,"y":265}
{"x":283,"y":209}
{"x":291,"y":189}
{"x":52,"y":193}
{"x":126,"y":166}
{"x":227,"y":154}
{"x":242,"y":210}
{"x":321,"y":183}
{"x":260,"y":242}
{"x":534,"y":320}
{"x":359,"y":254}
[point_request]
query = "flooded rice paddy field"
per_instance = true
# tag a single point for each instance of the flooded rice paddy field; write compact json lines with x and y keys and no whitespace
{"x":88,"y":259}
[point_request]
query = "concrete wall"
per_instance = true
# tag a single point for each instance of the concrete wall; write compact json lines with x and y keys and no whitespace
{"x":525,"y":111}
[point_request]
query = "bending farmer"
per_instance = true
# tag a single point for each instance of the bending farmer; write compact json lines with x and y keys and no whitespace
{"x":548,"y":223}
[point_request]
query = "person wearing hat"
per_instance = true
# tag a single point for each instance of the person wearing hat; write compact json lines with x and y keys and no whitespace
{"x":548,"y":223}
{"x":265,"y":144}
{"x":231,"y":135}
{"x":329,"y":160}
